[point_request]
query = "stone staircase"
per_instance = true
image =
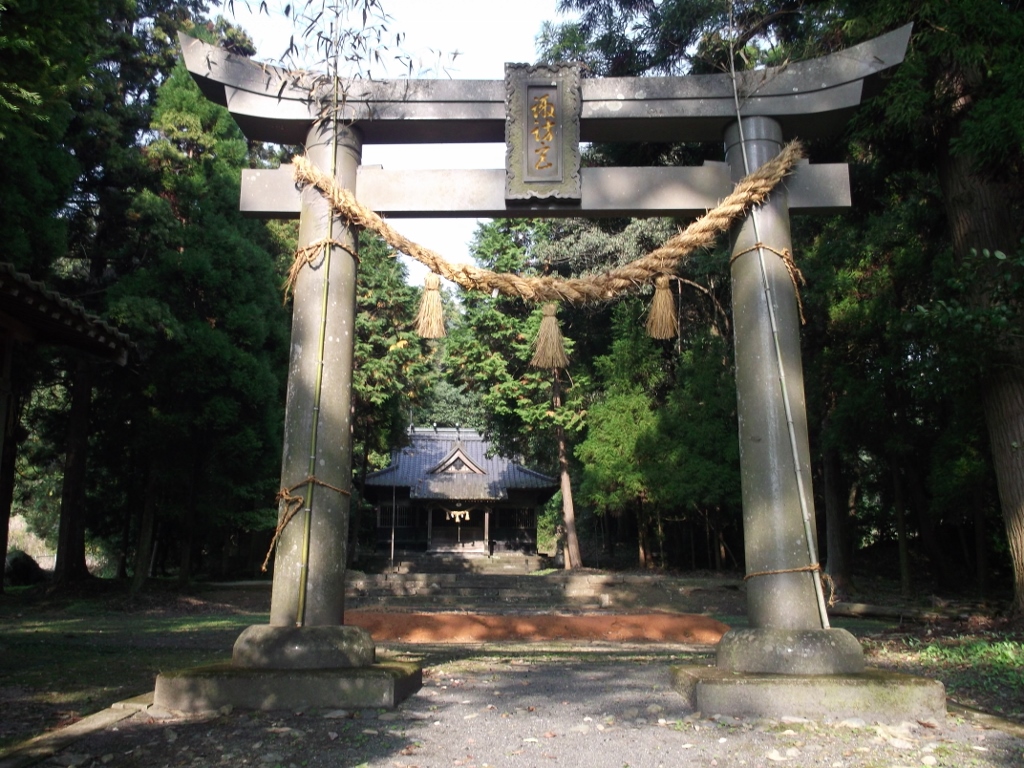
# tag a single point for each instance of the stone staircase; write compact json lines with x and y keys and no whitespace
{"x":543,"y":592}
{"x":455,"y":562}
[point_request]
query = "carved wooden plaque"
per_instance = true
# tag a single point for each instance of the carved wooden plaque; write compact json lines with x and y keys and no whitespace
{"x":542,"y":132}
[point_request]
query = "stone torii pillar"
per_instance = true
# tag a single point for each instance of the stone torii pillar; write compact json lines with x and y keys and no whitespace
{"x":308,"y":600}
{"x":810,"y":99}
{"x":789,"y":630}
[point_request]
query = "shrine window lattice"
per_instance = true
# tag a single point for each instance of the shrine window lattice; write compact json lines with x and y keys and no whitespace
{"x":521,"y":519}
{"x":402,"y":517}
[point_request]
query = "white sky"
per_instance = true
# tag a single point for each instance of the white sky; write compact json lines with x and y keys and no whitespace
{"x":485,"y":33}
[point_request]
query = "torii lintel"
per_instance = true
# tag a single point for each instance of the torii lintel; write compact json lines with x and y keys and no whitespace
{"x":810,"y":99}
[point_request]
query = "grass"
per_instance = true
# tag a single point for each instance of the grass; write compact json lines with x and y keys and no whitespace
{"x":61,"y":660}
{"x":977,"y":668}
{"x":983,"y":670}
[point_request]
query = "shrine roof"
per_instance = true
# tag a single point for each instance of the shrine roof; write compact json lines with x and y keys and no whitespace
{"x":32,"y":312}
{"x":451,"y":463}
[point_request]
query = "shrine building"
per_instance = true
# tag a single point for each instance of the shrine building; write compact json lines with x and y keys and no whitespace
{"x":445,"y":492}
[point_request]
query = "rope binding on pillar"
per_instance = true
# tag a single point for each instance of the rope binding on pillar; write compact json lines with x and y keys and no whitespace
{"x":292,"y":505}
{"x":795,"y":275}
{"x":308,"y":254}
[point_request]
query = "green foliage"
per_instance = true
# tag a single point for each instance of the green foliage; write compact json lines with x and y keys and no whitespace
{"x":44,"y":57}
{"x":691,"y":458}
{"x":971,"y":664}
{"x":447,"y":405}
{"x":973,"y":331}
{"x":392,"y":363}
{"x":46,"y":50}
{"x":661,"y":440}
{"x":962,"y":81}
{"x":489,"y":348}
{"x":630,"y":374}
{"x":202,"y":303}
{"x":613,"y":475}
{"x":624,"y":37}
{"x":39,"y":468}
{"x":192,"y":424}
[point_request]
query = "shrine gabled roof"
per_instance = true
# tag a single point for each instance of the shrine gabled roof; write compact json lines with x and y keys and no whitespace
{"x":449,"y":463}
{"x":32,"y":312}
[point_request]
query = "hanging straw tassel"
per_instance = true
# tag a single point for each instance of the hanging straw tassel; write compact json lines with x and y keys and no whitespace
{"x":548,"y":349}
{"x":430,"y":318}
{"x":661,"y":320}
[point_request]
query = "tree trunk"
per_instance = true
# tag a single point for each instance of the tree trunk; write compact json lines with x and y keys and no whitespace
{"x":147,"y":527}
{"x":70,"y":565}
{"x":126,"y":542}
{"x":1003,"y":399}
{"x":901,"y":529}
{"x":356,"y":510}
{"x":661,"y":536}
{"x":10,"y":410}
{"x":642,"y":541}
{"x":981,"y":214}
{"x":7,"y":465}
{"x":838,"y":541}
{"x":919,"y":502}
{"x":980,"y":550}
{"x":187,"y":540}
{"x":573,"y":558}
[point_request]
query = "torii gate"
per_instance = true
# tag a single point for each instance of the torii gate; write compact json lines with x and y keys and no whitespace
{"x":788,"y":631}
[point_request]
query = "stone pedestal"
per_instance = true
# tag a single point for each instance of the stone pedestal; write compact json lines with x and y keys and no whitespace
{"x":206,"y":689}
{"x":292,"y":668}
{"x":266,"y":647}
{"x":872,"y":695}
{"x":790,"y":652}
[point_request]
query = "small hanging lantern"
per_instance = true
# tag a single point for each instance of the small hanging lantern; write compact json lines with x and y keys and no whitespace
{"x":662,"y":321}
{"x":549,"y":348}
{"x":430,"y":318}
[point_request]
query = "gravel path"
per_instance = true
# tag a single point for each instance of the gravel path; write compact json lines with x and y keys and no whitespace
{"x":559,"y":704}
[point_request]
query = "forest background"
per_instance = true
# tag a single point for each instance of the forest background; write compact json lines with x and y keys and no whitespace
{"x":120,"y":189}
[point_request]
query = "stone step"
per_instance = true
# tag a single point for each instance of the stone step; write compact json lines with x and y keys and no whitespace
{"x":450,"y":563}
{"x":455,"y":601}
{"x":546,"y":593}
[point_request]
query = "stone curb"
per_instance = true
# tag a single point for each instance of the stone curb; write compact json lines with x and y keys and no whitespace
{"x":48,"y":744}
{"x":984,"y":719}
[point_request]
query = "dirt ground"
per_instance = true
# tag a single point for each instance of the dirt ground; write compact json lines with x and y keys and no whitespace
{"x":475,"y":628}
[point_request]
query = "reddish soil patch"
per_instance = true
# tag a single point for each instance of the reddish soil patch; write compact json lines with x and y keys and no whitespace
{"x":476,"y":628}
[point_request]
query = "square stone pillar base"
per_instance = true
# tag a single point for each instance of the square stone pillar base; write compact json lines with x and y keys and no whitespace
{"x":873,"y":695}
{"x":205,"y":689}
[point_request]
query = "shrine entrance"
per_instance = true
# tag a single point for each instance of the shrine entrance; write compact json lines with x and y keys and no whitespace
{"x":542,"y":114}
{"x":458,"y":530}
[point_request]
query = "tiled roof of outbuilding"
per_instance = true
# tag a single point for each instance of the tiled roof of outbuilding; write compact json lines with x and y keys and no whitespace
{"x":430,"y":468}
{"x":40,"y":314}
